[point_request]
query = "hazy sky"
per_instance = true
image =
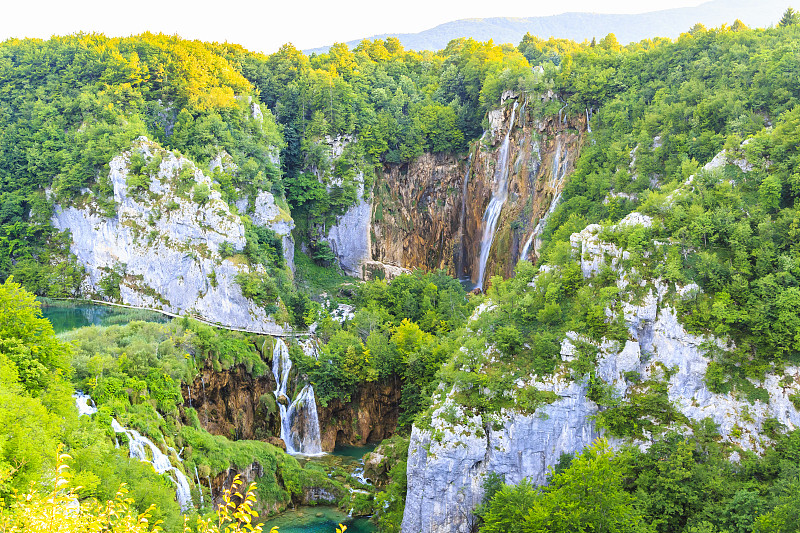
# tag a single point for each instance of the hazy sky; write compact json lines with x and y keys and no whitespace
{"x":264,"y":26}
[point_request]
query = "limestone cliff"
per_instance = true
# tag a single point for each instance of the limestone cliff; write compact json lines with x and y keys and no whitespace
{"x":447,"y":461}
{"x":161,"y":246}
{"x":429,"y":213}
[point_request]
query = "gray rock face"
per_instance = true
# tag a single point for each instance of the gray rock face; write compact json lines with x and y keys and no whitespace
{"x":349,"y":238}
{"x":445,"y":474}
{"x":164,"y":246}
{"x":447,"y":463}
{"x":267,"y":213}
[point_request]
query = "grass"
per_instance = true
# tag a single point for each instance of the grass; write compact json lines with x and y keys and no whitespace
{"x":315,"y":279}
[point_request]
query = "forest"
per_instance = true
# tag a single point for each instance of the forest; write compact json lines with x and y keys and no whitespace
{"x":661,"y":111}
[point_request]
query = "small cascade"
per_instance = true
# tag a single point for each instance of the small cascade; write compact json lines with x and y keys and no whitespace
{"x":539,"y":229}
{"x":189,"y":393}
{"x":527,"y":248}
{"x":139,"y":446}
{"x":499,"y":195}
{"x":556,"y":163}
{"x":205,"y":400}
{"x":588,"y":119}
{"x":537,"y":163}
{"x":82,"y":402}
{"x":358,"y":474}
{"x":199,"y":486}
{"x":299,"y":420}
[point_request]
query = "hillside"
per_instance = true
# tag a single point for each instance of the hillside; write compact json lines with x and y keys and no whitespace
{"x":584,"y":26}
{"x":552,"y":279}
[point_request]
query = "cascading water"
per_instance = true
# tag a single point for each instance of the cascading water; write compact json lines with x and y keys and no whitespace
{"x":199,"y":486}
{"x":82,"y":402}
{"x":299,"y":419}
{"x":499,"y":195}
{"x":560,"y":165}
{"x":138,"y":445}
{"x":556,"y":163}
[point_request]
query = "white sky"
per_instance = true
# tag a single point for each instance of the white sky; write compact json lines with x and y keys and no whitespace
{"x":264,"y":26}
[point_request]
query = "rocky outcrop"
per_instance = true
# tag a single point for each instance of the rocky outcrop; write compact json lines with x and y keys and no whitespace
{"x":161,"y":247}
{"x":371,"y":270}
{"x":349,"y":237}
{"x":266,"y":212}
{"x":447,"y":461}
{"x":371,"y":416}
{"x":236,"y":404}
{"x":429,"y":213}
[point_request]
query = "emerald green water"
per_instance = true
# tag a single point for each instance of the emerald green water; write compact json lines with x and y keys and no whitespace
{"x":306,"y":520}
{"x":353,"y":452}
{"x":68,"y":316}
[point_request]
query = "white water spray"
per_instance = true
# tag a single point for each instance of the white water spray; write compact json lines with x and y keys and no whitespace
{"x":139,"y":446}
{"x":299,"y":419}
{"x":82,"y":402}
{"x":499,"y":196}
{"x":199,"y":486}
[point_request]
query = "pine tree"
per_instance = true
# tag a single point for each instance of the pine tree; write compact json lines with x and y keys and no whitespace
{"x":790,"y":16}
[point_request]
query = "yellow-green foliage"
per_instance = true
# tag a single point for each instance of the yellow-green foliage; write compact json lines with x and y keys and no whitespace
{"x":59,"y":510}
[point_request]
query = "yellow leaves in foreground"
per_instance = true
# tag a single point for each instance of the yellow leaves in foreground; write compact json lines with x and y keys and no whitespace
{"x":60,"y":511}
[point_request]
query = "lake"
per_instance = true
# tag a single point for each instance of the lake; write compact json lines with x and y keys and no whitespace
{"x":69,"y":315}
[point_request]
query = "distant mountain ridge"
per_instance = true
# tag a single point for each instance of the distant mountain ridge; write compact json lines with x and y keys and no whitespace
{"x":579,"y":26}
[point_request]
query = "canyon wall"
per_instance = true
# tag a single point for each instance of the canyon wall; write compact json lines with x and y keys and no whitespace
{"x":429,"y":213}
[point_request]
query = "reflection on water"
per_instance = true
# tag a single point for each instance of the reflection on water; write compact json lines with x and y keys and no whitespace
{"x":66,"y":316}
{"x":317,"y":519}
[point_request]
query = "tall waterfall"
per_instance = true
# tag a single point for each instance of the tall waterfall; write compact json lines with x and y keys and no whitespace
{"x":139,"y":446}
{"x":299,"y":419}
{"x":499,"y":195}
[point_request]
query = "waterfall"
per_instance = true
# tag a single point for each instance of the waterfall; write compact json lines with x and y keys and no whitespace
{"x":139,"y":446}
{"x":537,"y":231}
{"x":82,"y":402}
{"x":205,"y":400}
{"x":499,"y":195}
{"x":564,"y":120}
{"x":299,"y":419}
{"x":199,"y":486}
{"x":526,"y":248}
{"x":588,"y":118}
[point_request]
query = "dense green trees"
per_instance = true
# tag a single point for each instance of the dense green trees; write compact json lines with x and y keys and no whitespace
{"x":679,"y":484}
{"x":399,"y":330}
